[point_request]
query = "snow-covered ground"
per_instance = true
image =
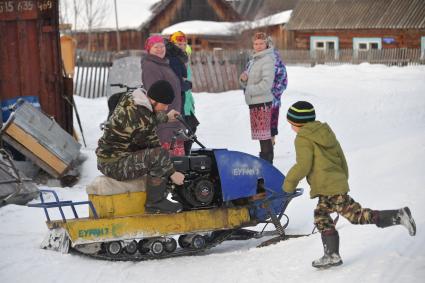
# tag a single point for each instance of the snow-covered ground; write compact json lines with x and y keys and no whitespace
{"x":378,"y":114}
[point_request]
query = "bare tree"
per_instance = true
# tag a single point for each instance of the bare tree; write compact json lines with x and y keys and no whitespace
{"x":70,"y":12}
{"x":94,"y":14}
{"x":77,"y":7}
{"x":63,"y":12}
{"x":117,"y":27}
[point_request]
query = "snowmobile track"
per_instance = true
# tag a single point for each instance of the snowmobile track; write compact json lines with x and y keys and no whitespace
{"x":215,"y":239}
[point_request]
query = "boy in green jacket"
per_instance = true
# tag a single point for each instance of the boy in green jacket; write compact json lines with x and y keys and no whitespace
{"x":319,"y":157}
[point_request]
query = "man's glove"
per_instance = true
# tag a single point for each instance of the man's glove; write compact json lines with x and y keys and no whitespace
{"x":177,"y":178}
{"x":172,"y":115}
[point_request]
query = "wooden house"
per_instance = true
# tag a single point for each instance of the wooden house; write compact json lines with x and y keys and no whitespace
{"x":106,"y":39}
{"x":273,"y":25}
{"x":170,"y":12}
{"x":256,"y":9}
{"x":164,"y":14}
{"x":217,"y":35}
{"x":361,"y":25}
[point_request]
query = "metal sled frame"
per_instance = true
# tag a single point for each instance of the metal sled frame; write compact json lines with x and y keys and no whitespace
{"x":60,"y":204}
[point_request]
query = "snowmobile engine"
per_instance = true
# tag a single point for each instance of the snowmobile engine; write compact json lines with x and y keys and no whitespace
{"x":199,"y":188}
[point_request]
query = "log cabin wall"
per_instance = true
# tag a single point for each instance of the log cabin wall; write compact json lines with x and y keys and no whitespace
{"x":107,"y":40}
{"x":278,"y":33}
{"x":402,"y":38}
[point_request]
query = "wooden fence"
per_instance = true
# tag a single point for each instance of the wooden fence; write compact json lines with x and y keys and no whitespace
{"x":390,"y":57}
{"x":91,"y":73}
{"x":219,"y":71}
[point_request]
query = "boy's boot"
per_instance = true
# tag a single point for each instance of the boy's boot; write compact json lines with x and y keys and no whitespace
{"x":156,"y":197}
{"x":331,"y":258}
{"x":267,"y":156}
{"x":386,"y":218}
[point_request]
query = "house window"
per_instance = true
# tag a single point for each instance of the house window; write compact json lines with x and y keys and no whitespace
{"x":373,"y":45}
{"x":365,"y":44}
{"x":324,"y":43}
{"x":362,"y":46}
{"x":423,"y":47}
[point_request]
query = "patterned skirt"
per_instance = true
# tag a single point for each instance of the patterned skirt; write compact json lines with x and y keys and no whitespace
{"x":260,"y":116}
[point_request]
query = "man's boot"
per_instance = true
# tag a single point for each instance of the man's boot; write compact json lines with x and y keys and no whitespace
{"x":267,"y":156}
{"x":156,"y":197}
{"x":331,"y":258}
{"x":386,"y":218}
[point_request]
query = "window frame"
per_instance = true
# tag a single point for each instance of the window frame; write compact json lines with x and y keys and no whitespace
{"x":368,"y":41}
{"x":325,"y":40}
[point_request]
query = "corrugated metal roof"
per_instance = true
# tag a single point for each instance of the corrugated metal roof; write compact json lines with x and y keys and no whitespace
{"x":358,"y":14}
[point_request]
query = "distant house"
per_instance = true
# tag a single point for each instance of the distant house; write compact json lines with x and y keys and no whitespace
{"x":274,"y":26}
{"x":164,"y":14}
{"x":361,"y":25}
{"x":208,"y":35}
{"x":106,"y":39}
{"x":257,"y":9}
{"x":169,"y":12}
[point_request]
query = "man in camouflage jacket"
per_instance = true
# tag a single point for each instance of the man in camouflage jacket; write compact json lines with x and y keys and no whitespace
{"x":130,"y":147}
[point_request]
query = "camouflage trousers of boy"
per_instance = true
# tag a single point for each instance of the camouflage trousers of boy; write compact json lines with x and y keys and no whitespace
{"x":346,"y":207}
{"x":152,"y":161}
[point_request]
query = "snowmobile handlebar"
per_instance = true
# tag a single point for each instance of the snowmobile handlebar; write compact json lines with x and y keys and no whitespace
{"x":190,"y":134}
{"x":120,"y":85}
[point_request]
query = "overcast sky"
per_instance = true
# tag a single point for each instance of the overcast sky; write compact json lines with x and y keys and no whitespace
{"x":131,"y":13}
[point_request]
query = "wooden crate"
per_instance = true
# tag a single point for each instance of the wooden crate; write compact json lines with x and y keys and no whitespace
{"x":41,"y":140}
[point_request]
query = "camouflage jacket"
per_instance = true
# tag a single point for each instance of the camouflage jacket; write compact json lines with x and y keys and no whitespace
{"x":132,"y":127}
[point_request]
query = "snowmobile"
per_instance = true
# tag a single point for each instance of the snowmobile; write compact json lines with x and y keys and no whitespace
{"x":224,"y":192}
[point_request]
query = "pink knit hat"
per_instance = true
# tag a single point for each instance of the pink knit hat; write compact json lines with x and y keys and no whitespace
{"x":152,"y":40}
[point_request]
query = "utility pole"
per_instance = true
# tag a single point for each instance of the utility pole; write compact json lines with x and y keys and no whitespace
{"x":118,"y":31}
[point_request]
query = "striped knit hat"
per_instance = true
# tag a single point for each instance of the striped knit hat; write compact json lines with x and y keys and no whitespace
{"x":300,"y":113}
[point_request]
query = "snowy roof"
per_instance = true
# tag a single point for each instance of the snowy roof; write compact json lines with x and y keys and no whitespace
{"x":276,"y":19}
{"x":226,"y":28}
{"x":202,"y":27}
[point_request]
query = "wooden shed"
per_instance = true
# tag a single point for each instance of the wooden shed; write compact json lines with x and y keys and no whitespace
{"x":30,"y":56}
{"x":357,"y":24}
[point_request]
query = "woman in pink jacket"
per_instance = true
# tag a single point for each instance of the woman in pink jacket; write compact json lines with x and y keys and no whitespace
{"x":156,"y":67}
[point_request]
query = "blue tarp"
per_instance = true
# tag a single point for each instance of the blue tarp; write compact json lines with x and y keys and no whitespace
{"x":6,"y":104}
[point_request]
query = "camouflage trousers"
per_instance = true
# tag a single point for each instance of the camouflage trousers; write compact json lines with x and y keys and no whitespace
{"x":343,"y":205}
{"x":152,"y":161}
